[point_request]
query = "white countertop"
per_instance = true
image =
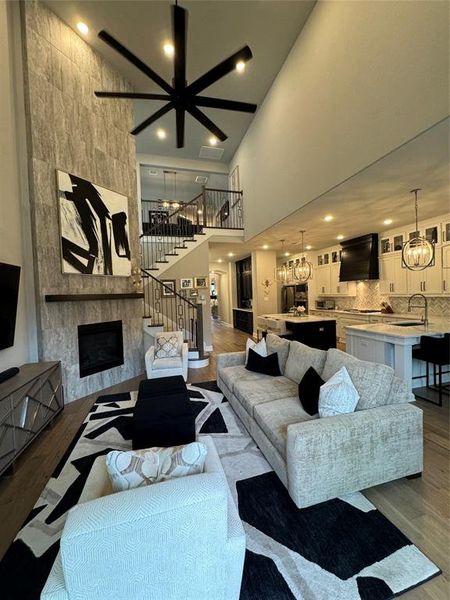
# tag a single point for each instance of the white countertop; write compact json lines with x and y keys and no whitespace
{"x":293,"y":319}
{"x":436,"y":326}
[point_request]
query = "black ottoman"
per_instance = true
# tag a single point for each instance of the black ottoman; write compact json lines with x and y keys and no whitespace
{"x":163,"y":415}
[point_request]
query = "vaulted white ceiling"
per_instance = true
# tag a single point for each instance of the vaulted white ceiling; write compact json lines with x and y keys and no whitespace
{"x":216,"y":29}
{"x":361,"y":204}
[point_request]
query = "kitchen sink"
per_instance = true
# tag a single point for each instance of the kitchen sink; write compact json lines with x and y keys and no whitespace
{"x":406,"y":323}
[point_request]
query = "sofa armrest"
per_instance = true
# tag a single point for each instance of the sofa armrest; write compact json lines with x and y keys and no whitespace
{"x":230,"y":359}
{"x":55,"y":586}
{"x":337,"y":455}
{"x":149,"y":358}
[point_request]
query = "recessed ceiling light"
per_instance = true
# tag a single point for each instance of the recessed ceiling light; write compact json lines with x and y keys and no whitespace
{"x":230,"y":254}
{"x":287,"y":253}
{"x":219,"y":260}
{"x":340,"y":237}
{"x":240,"y":66}
{"x":82,"y":28}
{"x":169,"y":49}
{"x":265,"y":247}
{"x":161,"y":134}
{"x":212,"y":141}
{"x":387,"y":222}
{"x":328,"y":218}
{"x":308,"y":247}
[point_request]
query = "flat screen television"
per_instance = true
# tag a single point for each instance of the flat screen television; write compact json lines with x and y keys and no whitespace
{"x":9,"y":293}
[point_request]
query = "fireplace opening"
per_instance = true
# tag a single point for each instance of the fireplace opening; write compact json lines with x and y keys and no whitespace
{"x":100,"y":347}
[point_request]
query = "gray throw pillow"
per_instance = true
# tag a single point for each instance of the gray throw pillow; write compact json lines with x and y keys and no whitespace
{"x":280,"y":346}
{"x":302,"y":357}
{"x":338,"y":396}
{"x":372,"y":380}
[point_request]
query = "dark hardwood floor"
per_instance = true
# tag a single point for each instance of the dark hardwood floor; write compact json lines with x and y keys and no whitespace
{"x":419,"y":507}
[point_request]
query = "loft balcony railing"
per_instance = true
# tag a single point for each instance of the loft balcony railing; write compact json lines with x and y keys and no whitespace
{"x":165,"y":231}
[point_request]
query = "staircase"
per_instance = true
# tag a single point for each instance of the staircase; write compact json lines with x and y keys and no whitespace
{"x":169,"y":236}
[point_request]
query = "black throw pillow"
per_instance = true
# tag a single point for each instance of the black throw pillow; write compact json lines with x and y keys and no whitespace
{"x":267,"y":365}
{"x":309,"y":389}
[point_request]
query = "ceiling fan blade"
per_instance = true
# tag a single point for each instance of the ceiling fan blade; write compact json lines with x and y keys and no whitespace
{"x":180,"y":114}
{"x":224,"y":104}
{"x":137,"y":62}
{"x":203,"y":119}
{"x":133,"y":95}
{"x":152,"y":118}
{"x":179,"y":16}
{"x":220,"y":70}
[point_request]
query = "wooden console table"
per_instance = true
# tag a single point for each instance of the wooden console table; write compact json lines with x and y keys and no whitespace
{"x":29,"y":401}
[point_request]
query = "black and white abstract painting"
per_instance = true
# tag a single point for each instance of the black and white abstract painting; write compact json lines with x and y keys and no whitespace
{"x":93,"y":228}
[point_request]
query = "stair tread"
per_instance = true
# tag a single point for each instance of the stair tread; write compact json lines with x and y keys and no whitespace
{"x":158,"y":262}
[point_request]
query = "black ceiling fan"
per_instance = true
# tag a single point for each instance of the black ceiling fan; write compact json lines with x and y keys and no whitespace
{"x":180,"y":96}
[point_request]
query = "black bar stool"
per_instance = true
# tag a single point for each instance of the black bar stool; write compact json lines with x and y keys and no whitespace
{"x":434,"y":350}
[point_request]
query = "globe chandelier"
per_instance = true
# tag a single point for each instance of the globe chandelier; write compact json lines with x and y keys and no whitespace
{"x":283,"y":273}
{"x":302,"y":271}
{"x":418,"y":252}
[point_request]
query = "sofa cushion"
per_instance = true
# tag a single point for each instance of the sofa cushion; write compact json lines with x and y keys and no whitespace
{"x":132,"y":469}
{"x":256,"y":391}
{"x":280,"y":346}
{"x":258,"y":347}
{"x":267,"y":365}
{"x":372,"y":380}
{"x":275,"y":416}
{"x":168,"y":345}
{"x":302,"y":357}
{"x":231,"y":375}
{"x":338,"y":396}
{"x":309,"y":390}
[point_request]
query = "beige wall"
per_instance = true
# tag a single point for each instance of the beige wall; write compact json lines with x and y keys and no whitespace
{"x":362,"y":78}
{"x":223,"y":273}
{"x":263,"y":267}
{"x":15,"y":229}
{"x":195,"y":264}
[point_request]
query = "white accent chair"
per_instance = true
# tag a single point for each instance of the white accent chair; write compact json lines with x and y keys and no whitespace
{"x":180,"y":539}
{"x":168,"y":367}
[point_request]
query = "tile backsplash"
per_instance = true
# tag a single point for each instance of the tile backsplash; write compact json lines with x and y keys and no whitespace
{"x":368,"y":296}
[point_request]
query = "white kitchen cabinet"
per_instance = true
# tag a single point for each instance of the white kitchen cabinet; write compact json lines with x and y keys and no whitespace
{"x":446,"y":269}
{"x":323,"y":281}
{"x":428,"y":281}
{"x":393,"y":277}
{"x":445,"y":232}
{"x":340,"y":288}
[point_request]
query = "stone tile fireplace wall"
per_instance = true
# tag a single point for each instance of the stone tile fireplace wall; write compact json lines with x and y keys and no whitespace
{"x":69,"y":129}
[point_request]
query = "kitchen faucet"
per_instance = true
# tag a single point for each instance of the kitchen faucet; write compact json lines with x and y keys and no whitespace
{"x":425,"y":307}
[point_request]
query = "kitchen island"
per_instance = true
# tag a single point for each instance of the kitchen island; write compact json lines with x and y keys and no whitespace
{"x":314,"y":331}
{"x":392,"y":343}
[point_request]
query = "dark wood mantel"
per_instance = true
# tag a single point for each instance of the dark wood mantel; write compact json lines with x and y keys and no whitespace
{"x":87,"y":297}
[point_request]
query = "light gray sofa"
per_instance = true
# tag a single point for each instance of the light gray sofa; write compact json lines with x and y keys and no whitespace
{"x":319,"y":459}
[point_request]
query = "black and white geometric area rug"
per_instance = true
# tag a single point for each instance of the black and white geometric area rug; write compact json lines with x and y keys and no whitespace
{"x":343,"y":549}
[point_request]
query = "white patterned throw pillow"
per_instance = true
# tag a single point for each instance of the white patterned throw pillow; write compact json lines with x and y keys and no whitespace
{"x":260,"y":348}
{"x":338,"y":395}
{"x":136,"y":468}
{"x":167,"y":346}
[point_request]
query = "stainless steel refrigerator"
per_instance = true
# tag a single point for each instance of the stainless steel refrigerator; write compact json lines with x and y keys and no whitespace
{"x":294,"y":295}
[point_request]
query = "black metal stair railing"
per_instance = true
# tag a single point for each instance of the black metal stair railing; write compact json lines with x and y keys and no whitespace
{"x":164,"y":233}
{"x":172,"y":310}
